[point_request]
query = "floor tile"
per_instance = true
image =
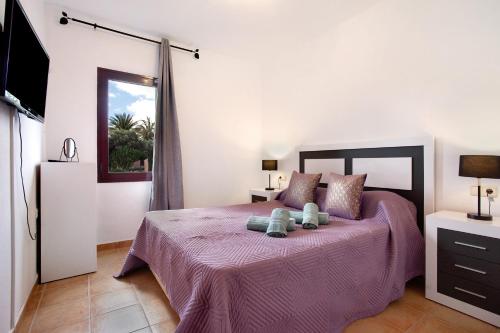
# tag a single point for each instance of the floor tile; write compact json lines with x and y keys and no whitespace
{"x":117,"y":246}
{"x":123,"y":320}
{"x":143,"y":278}
{"x":69,"y":282}
{"x":147,"y":287}
{"x":80,"y":327}
{"x":53,"y":316}
{"x":369,"y":325}
{"x":432,"y":324}
{"x":24,"y":323}
{"x":107,"y":284}
{"x":158,"y":310}
{"x":164,"y":327}
{"x":33,"y":301}
{"x":150,"y":291}
{"x":400,"y":315}
{"x":464,"y":321}
{"x":144,"y":330}
{"x":66,"y":293}
{"x":103,"y":273}
{"x":114,"y":300}
{"x":416,"y":299}
{"x":110,"y":256}
{"x":29,"y":311}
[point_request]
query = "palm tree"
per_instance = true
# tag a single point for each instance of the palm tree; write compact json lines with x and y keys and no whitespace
{"x":146,"y":129}
{"x":123,"y":121}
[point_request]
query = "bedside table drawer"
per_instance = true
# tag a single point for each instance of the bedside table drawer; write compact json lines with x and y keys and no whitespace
{"x":480,"y":271}
{"x":481,"y":247}
{"x":470,"y":292}
{"x":258,"y":198}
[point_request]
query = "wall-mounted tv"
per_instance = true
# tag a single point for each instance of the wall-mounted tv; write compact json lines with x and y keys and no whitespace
{"x":24,"y":63}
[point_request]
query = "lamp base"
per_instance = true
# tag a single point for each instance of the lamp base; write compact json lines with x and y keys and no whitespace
{"x":481,"y":217}
{"x":269,"y":188}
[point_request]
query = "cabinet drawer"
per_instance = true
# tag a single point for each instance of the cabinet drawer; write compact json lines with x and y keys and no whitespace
{"x":481,"y":247}
{"x":470,"y":292}
{"x":258,"y":198}
{"x":481,"y":271}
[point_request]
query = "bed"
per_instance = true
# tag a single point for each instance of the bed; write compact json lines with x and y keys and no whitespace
{"x":220,"y":277}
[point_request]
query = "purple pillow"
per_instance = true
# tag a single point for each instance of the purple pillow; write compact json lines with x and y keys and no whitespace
{"x":343,"y":196}
{"x":301,"y":189}
{"x":319,"y":198}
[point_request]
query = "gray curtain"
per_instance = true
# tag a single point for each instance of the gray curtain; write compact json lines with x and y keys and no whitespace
{"x":166,"y":191}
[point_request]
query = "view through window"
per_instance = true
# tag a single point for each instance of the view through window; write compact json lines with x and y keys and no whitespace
{"x":131,"y":126}
{"x":125,"y":126}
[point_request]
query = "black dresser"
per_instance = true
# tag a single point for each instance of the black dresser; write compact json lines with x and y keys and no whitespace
{"x":463,"y":264}
{"x":469,"y":268}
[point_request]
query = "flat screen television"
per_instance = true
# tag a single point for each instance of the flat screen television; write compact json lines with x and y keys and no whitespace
{"x":24,"y":63}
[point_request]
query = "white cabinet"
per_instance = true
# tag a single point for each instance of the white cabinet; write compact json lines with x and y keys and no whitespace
{"x":260,"y":194}
{"x":68,"y":220}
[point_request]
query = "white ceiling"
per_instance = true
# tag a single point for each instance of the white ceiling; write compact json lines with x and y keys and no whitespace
{"x":249,"y":28}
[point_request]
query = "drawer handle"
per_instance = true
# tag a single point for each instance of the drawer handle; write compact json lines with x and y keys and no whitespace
{"x":470,"y":292}
{"x":471,"y":245}
{"x":470,"y":269}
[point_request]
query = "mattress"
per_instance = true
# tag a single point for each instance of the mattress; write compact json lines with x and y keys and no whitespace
{"x":221,"y":277}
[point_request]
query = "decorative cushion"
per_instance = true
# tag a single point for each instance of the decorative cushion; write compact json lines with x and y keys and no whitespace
{"x":343,"y":196}
{"x":319,"y":198}
{"x":301,"y":189}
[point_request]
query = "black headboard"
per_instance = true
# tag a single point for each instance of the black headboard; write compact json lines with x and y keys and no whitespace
{"x":416,"y":153}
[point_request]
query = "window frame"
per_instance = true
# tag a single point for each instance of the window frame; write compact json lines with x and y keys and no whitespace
{"x":104,"y":75}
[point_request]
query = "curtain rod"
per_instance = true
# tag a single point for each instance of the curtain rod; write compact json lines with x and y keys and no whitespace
{"x":65,"y":19}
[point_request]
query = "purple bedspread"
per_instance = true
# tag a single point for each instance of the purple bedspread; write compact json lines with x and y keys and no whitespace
{"x":221,"y":277}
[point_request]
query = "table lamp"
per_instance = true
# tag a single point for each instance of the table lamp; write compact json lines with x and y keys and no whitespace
{"x":269,"y":165}
{"x":479,"y":166}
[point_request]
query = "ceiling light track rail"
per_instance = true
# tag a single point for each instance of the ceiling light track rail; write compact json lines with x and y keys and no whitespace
{"x":65,"y":19}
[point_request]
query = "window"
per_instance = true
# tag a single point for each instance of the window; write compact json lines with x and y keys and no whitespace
{"x":125,"y":126}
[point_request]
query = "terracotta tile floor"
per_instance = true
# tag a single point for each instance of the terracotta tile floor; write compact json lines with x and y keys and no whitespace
{"x":99,"y":303}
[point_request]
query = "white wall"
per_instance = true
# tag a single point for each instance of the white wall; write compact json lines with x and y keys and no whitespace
{"x":18,"y":251}
{"x":24,"y":273}
{"x":5,"y":220}
{"x":24,"y":249}
{"x":397,"y":69}
{"x":218,"y":105}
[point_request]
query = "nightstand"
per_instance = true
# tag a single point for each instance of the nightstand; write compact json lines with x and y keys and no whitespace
{"x":260,"y":194}
{"x":463,"y":264}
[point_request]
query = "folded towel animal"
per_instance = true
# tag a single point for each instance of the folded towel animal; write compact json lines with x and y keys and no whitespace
{"x":310,"y":216}
{"x":299,"y":216}
{"x":278,"y":223}
{"x":260,"y":223}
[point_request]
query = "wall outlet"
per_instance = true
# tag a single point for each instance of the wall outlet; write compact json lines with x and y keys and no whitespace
{"x":484,"y":188}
